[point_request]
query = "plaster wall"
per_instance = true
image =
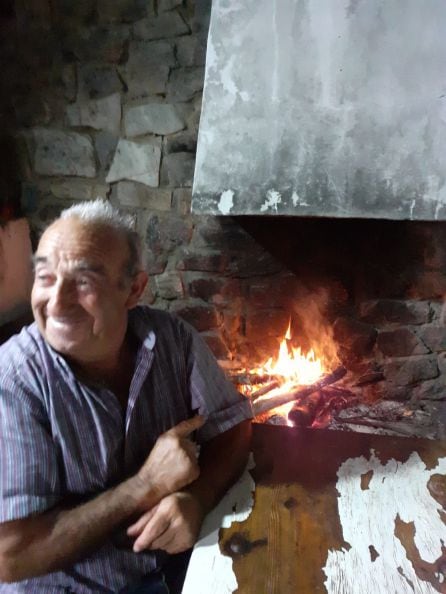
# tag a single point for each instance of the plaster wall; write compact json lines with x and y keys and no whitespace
{"x":324,"y":108}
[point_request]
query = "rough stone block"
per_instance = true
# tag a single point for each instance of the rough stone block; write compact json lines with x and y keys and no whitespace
{"x":155,"y":264}
{"x":160,"y":27}
{"x":204,"y":287}
{"x":191,"y":50}
{"x":145,"y":80}
{"x":101,"y":44}
{"x":165,"y":5}
{"x":411,"y":370}
{"x":355,"y":337}
{"x":393,"y":311}
{"x":151,"y":53}
{"x":123,"y":10}
{"x":181,"y":201}
{"x":100,"y":114}
{"x":400,"y":342}
{"x":169,"y":285}
{"x":280,"y":289}
{"x":218,"y":290}
{"x":105,"y":144}
{"x":438,"y":309}
{"x":217,"y":345}
{"x":136,"y":161}
{"x":431,"y":284}
{"x":266,"y":323}
{"x":202,"y":317}
{"x":154,"y":118}
{"x":201,"y":16}
{"x":97,"y":81}
{"x":254,"y":262}
{"x":184,"y":142}
{"x":223,"y":233}
{"x":147,"y":68}
{"x":137,"y":195}
{"x":78,"y":189}
{"x":204,"y":261}
{"x":179,"y":169}
{"x":431,"y":389}
{"x":63,"y":153}
{"x":166,"y":232}
{"x":184,"y":83}
{"x":434,"y":337}
{"x":441,"y":360}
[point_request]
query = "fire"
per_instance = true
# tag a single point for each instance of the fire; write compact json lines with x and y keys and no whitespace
{"x":292,"y":365}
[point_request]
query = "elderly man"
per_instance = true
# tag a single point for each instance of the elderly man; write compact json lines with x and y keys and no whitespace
{"x":102,"y":403}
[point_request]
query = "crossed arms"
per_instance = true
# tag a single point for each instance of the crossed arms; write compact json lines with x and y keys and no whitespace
{"x":169,"y":497}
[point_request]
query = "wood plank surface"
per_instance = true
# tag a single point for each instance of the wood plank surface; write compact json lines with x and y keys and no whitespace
{"x":339,"y":512}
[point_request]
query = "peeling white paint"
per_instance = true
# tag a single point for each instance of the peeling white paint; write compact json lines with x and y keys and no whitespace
{"x":412,"y":206}
{"x":297,"y":200}
{"x":226,"y":202}
{"x":273,"y":199}
{"x":368,"y":519}
{"x":209,"y":571}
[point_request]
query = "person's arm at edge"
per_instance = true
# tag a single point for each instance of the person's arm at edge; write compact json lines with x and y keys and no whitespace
{"x":55,"y":539}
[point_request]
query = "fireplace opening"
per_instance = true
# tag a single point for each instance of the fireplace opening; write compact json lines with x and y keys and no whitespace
{"x":364,"y":300}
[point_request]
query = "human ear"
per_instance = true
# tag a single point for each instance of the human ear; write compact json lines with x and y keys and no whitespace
{"x":137,"y":286}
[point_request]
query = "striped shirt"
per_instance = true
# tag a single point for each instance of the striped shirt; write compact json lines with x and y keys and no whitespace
{"x":60,"y":437}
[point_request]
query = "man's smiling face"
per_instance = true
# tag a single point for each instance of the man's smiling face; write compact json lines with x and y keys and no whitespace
{"x":80,"y":295}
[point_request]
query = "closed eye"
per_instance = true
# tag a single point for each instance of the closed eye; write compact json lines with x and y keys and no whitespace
{"x":44,"y":279}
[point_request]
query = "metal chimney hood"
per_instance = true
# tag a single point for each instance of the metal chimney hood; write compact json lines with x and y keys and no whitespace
{"x":324,"y":108}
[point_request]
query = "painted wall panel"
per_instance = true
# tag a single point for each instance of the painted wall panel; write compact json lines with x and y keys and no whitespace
{"x":315,"y":107}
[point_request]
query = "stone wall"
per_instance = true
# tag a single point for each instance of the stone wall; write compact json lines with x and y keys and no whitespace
{"x":104,"y":98}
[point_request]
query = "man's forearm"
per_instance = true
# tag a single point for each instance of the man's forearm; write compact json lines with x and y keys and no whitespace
{"x":222,"y":460}
{"x":55,"y":539}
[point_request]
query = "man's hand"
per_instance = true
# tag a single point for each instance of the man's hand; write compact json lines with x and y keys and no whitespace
{"x":172,"y":463}
{"x":173,"y":525}
{"x":53,"y":540}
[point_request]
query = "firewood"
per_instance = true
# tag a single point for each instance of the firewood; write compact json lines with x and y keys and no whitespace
{"x":264,"y":390}
{"x":263,"y":404}
{"x":304,"y":412}
{"x":400,"y":428}
{"x":252,"y":379}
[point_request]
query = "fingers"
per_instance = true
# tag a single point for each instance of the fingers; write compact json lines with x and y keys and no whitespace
{"x":166,"y":542}
{"x":185,"y":428}
{"x":136,"y":528}
{"x":153,"y":530}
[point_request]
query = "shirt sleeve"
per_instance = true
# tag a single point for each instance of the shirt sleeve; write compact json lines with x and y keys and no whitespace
{"x":212,"y":393}
{"x":29,"y":479}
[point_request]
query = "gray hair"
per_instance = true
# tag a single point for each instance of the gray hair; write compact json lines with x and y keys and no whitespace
{"x":100,"y":212}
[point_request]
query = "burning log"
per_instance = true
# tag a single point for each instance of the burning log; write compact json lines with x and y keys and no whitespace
{"x":262,"y":405}
{"x":304,"y":412}
{"x":252,"y":379}
{"x":264,"y":389}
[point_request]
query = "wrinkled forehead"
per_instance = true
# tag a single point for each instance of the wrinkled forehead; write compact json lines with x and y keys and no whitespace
{"x":73,"y":239}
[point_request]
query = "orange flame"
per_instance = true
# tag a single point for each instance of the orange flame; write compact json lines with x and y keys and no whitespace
{"x":293,"y":365}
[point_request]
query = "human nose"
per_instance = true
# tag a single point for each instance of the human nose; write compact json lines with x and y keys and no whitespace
{"x":61,"y":296}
